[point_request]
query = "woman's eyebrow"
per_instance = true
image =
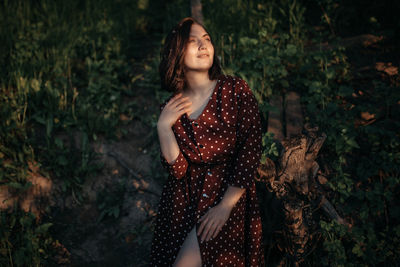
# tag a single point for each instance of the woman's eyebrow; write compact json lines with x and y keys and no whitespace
{"x":204,"y":35}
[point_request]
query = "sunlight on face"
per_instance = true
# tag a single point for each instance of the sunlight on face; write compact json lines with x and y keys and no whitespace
{"x":199,"y":50}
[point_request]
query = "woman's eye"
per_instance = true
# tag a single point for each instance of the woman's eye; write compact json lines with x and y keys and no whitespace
{"x":191,"y":41}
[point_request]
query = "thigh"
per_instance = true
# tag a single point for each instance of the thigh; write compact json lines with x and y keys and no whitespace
{"x":189,"y":254}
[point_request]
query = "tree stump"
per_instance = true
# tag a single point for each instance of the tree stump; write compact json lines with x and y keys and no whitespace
{"x":294,"y":180}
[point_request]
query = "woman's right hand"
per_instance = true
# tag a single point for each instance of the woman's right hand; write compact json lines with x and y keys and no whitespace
{"x":175,"y":107}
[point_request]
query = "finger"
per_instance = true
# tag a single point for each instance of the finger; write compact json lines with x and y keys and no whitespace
{"x":216,"y":232}
{"x":185,"y":110}
{"x":203,"y":234}
{"x":209,"y":230}
{"x":176,"y":106}
{"x":204,"y":221}
{"x":183,"y":105}
{"x":177,"y":95}
{"x":177,"y":99}
{"x":213,"y":232}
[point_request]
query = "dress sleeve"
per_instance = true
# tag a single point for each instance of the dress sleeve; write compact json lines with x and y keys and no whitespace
{"x":248,"y":144}
{"x":179,"y":167}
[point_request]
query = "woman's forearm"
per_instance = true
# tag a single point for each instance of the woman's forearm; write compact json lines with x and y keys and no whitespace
{"x":168,"y":144}
{"x":231,"y":196}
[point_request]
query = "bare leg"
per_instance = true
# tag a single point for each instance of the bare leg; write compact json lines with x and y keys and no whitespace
{"x":189,"y":254}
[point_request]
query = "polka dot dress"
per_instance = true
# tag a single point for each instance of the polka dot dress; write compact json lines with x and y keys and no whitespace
{"x":221,"y":148}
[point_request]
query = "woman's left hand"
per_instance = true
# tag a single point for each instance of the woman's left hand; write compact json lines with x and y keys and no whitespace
{"x":213,"y":220}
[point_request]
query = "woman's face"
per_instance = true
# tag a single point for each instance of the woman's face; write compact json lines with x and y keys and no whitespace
{"x":199,"y":50}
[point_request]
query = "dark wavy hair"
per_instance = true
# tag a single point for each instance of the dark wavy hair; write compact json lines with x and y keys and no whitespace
{"x":171,"y":67}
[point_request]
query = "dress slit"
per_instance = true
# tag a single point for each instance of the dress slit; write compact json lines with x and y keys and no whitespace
{"x":188,"y":236}
{"x":198,"y":243}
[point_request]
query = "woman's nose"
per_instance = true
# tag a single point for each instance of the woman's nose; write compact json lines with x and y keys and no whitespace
{"x":202,"y":44}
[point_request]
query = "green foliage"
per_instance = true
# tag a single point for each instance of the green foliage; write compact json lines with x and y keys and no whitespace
{"x":364,"y":159}
{"x":24,"y":242}
{"x":14,"y":148}
{"x":109,"y":202}
{"x":64,"y":75}
{"x":270,"y":149}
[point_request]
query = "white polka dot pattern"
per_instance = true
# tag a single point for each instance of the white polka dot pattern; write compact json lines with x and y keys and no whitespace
{"x":178,"y":168}
{"x":221,"y":147}
{"x":248,"y":152}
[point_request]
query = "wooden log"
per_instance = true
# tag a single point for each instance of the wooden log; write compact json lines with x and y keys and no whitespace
{"x":294,"y":114}
{"x":275,"y":118}
{"x":332,"y":213}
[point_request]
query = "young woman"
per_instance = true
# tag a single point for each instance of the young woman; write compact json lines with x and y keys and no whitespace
{"x":210,"y":139}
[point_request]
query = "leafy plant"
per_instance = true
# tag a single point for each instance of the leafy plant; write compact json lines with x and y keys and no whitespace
{"x":24,"y":242}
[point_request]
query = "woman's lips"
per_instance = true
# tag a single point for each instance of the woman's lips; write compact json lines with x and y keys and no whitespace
{"x":203,"y":55}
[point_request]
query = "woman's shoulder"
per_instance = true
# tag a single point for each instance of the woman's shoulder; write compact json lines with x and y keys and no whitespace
{"x":238,"y":85}
{"x":226,"y":78}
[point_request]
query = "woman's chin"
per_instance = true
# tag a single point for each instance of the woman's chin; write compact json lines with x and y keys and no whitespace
{"x":199,"y":68}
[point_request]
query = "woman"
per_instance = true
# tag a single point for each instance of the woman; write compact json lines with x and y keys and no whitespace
{"x":210,"y":139}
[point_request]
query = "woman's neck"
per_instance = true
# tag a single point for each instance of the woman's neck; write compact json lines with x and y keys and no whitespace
{"x":198,"y":83}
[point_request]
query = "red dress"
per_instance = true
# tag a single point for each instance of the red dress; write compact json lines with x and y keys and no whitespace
{"x":221,"y":147}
